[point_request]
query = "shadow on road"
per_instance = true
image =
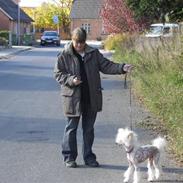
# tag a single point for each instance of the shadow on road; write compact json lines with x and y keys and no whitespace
{"x":27,"y":82}
{"x":113,"y":167}
{"x":22,"y":129}
{"x":173,"y":181}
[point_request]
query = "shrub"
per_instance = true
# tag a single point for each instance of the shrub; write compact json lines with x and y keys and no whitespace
{"x":4,"y":34}
{"x":3,"y":41}
{"x":113,"y":41}
{"x":27,"y":39}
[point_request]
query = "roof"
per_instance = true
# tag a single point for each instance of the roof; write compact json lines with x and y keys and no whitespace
{"x":86,"y":9}
{"x":9,"y":8}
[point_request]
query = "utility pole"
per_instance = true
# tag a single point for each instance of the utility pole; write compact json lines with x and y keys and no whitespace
{"x":10,"y":34}
{"x":55,"y":19}
{"x":18,"y":24}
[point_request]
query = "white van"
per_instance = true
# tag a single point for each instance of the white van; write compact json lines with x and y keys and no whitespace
{"x":164,"y":30}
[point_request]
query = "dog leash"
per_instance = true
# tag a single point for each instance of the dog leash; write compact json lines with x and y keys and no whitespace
{"x":130,"y":96}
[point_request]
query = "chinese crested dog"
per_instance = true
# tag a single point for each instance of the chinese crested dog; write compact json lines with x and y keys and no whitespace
{"x":138,"y":154}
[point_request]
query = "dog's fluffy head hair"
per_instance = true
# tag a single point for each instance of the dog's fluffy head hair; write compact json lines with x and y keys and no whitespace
{"x":125,"y":137}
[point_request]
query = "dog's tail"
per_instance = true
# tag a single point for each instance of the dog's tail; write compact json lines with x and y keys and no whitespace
{"x":159,"y":142}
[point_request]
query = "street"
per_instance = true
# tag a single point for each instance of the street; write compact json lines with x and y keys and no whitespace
{"x":32,"y":125}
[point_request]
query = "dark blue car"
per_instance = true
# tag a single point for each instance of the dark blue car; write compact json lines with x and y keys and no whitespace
{"x":50,"y":37}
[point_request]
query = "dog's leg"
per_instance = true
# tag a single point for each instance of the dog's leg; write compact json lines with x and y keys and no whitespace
{"x":136,"y":175}
{"x":150,"y":170}
{"x":156,"y":165}
{"x":128,"y":172}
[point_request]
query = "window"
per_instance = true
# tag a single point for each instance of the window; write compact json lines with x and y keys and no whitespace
{"x":87,"y":27}
{"x":166,"y":30}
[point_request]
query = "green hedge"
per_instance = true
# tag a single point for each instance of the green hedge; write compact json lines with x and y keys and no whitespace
{"x":3,"y":41}
{"x":4,"y":34}
{"x":26,"y":39}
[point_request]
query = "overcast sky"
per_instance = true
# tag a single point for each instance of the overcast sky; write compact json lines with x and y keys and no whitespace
{"x":32,"y":3}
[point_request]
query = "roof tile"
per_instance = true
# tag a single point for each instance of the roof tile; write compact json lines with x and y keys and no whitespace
{"x":12,"y":10}
{"x":86,"y":9}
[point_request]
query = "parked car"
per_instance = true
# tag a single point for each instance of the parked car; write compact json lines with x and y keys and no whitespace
{"x":50,"y":37}
{"x":164,"y":30}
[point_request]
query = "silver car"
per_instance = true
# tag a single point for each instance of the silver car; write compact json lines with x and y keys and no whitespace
{"x":162,"y":30}
{"x":50,"y":37}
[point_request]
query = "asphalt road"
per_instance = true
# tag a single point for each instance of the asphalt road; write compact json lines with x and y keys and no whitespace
{"x":32,"y":124}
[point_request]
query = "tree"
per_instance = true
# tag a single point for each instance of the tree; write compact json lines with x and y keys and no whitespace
{"x":156,"y":10}
{"x":43,"y":15}
{"x":117,"y":17}
{"x":177,"y":11}
{"x":64,"y":3}
{"x":65,"y":8}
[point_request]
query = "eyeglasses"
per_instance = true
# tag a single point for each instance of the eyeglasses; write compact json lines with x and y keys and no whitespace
{"x":79,"y":42}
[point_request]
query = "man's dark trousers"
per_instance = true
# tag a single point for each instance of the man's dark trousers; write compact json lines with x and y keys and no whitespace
{"x":69,"y":144}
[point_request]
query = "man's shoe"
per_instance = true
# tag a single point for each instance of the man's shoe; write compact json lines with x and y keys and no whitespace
{"x":92,"y":163}
{"x":71,"y":164}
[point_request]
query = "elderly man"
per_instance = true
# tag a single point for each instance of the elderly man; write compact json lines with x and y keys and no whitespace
{"x":78,"y":70}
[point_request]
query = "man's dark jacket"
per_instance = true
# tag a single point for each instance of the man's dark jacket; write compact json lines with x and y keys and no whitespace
{"x":67,"y":68}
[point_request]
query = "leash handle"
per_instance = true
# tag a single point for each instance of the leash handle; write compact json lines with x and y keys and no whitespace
{"x":130,"y":90}
{"x":130,"y":96}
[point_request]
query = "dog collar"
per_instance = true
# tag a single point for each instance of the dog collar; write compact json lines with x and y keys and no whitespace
{"x":130,"y":150}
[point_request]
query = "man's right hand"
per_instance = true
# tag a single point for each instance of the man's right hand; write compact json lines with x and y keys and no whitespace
{"x":76,"y":81}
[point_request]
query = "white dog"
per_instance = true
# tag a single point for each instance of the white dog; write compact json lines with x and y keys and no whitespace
{"x":136,"y":154}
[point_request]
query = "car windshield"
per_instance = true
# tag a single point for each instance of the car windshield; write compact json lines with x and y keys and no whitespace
{"x":155,"y":29}
{"x":50,"y":34}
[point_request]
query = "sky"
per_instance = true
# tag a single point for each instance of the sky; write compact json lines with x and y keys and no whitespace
{"x":32,"y":3}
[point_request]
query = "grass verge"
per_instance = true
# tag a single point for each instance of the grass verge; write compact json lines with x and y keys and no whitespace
{"x":158,"y":81}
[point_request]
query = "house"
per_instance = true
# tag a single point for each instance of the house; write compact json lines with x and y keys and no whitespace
{"x":86,"y":14}
{"x":14,"y":19}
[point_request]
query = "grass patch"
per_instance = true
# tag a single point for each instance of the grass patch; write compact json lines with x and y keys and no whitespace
{"x":158,"y":81}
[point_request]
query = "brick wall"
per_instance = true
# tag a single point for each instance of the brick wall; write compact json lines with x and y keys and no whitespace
{"x":95,"y":24}
{"x":4,"y":25}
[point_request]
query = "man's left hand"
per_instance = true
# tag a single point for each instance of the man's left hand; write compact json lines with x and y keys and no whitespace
{"x":127,"y":68}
